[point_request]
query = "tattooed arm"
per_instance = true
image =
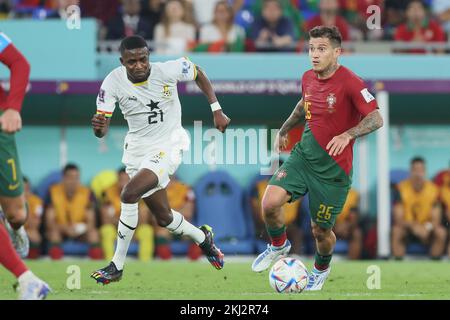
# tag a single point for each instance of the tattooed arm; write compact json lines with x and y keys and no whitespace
{"x":294,"y":119}
{"x":370,"y":123}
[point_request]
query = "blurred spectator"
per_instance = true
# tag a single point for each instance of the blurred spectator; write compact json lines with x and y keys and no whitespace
{"x":102,"y":10}
{"x":441,"y":8}
{"x":109,"y":218}
{"x":355,"y":13}
{"x":70,"y":214}
{"x":272,"y":31}
{"x":174,"y":35}
{"x":152,"y":11}
{"x":419,"y":27}
{"x":417,"y":214}
{"x":129,"y":22}
{"x":222,"y":34}
{"x":182,"y":199}
{"x":347,"y":225}
{"x":5,"y":8}
{"x":329,"y":16}
{"x":444,"y":178}
{"x":204,"y":9}
{"x":291,"y":10}
{"x":34,"y":220}
{"x":62,"y":11}
{"x":290,"y":211}
{"x":394,"y":15}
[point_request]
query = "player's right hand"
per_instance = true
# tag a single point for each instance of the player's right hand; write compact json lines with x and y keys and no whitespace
{"x":99,"y":122}
{"x":280,"y":142}
{"x":11,"y":121}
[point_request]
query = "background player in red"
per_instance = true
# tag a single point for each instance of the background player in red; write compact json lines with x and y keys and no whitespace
{"x":338,"y":108}
{"x":12,"y":198}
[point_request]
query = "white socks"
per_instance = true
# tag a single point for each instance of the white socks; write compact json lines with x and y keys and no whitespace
{"x":181,"y":227}
{"x":127,"y":224}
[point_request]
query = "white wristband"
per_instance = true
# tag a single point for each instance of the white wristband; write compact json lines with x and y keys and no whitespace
{"x":215,"y":106}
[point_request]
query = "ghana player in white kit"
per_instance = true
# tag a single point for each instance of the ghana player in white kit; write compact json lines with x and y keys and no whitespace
{"x":148,"y":98}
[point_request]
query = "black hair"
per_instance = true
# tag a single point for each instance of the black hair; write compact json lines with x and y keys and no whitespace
{"x":25,"y":179}
{"x":121,"y":170}
{"x":132,"y":42}
{"x":417,"y":160}
{"x":331,"y":33}
{"x":70,"y":166}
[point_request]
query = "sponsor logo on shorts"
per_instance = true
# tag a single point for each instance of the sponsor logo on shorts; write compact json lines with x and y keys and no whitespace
{"x":281,"y":174}
{"x":13,"y":187}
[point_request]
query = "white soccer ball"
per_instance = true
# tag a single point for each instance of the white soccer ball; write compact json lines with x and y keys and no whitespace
{"x":288,"y":275}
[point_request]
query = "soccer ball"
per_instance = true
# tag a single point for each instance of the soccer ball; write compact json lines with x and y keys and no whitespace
{"x":288,"y":275}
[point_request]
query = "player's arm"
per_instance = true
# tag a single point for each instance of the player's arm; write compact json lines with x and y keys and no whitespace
{"x":221,"y":121}
{"x":366,"y":105}
{"x":106,"y":103}
{"x":100,"y":124}
{"x":19,"y":67}
{"x":297,"y":116}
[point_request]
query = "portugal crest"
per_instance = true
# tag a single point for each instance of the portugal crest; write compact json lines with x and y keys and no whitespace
{"x":280,"y":175}
{"x":331,"y":100}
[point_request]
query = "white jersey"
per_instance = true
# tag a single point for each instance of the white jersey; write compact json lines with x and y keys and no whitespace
{"x":151,"y":108}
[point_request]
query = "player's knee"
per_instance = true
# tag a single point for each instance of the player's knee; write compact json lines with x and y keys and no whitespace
{"x":16,"y":217}
{"x":129,"y":195}
{"x":320,"y":234}
{"x":270,"y":206}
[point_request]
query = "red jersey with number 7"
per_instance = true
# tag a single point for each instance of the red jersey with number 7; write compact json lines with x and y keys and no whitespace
{"x":332,"y":106}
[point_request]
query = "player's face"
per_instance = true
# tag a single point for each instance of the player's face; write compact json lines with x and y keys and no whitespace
{"x":71,"y":180}
{"x":137,"y":64}
{"x":418,"y":172}
{"x":322,"y":54}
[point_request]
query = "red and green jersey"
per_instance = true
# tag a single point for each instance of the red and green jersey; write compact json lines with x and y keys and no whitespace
{"x":332,"y":106}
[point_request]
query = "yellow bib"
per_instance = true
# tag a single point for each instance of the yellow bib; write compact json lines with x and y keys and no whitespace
{"x":177,"y":193}
{"x":418,"y":205}
{"x":73,"y":210}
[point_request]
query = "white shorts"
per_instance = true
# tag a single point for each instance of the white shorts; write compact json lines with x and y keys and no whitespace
{"x":163,"y":161}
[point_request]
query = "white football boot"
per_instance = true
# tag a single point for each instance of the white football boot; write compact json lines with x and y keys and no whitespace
{"x":317,"y":278}
{"x":269,"y":256}
{"x":31,"y":287}
{"x":19,"y":239}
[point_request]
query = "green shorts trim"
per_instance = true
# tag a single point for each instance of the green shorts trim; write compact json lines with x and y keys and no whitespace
{"x":11,"y":181}
{"x":326,"y":199}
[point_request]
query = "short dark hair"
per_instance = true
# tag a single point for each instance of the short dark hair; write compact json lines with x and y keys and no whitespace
{"x":132,"y":42}
{"x":417,"y":159}
{"x":25,"y":179}
{"x":70,"y":166}
{"x":331,"y":33}
{"x":121,"y":170}
{"x":424,"y":5}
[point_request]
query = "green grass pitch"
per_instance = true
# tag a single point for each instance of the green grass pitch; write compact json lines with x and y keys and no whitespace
{"x":179,"y":279}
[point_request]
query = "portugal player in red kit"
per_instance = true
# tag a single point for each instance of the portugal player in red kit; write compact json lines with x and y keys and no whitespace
{"x":337,"y":108}
{"x":12,"y":199}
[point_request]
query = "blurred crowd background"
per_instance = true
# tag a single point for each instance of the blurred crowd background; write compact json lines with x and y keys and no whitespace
{"x":174,"y":26}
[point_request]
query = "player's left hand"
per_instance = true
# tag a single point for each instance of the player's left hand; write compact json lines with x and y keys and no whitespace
{"x":11,"y":121}
{"x":221,"y":121}
{"x":338,"y":144}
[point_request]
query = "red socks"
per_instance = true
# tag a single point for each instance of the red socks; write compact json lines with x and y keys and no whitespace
{"x":8,"y":255}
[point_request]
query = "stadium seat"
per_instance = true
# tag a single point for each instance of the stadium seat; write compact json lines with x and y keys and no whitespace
{"x":219,"y":204}
{"x":75,"y":248}
{"x":47,"y":182}
{"x":416,"y":248}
